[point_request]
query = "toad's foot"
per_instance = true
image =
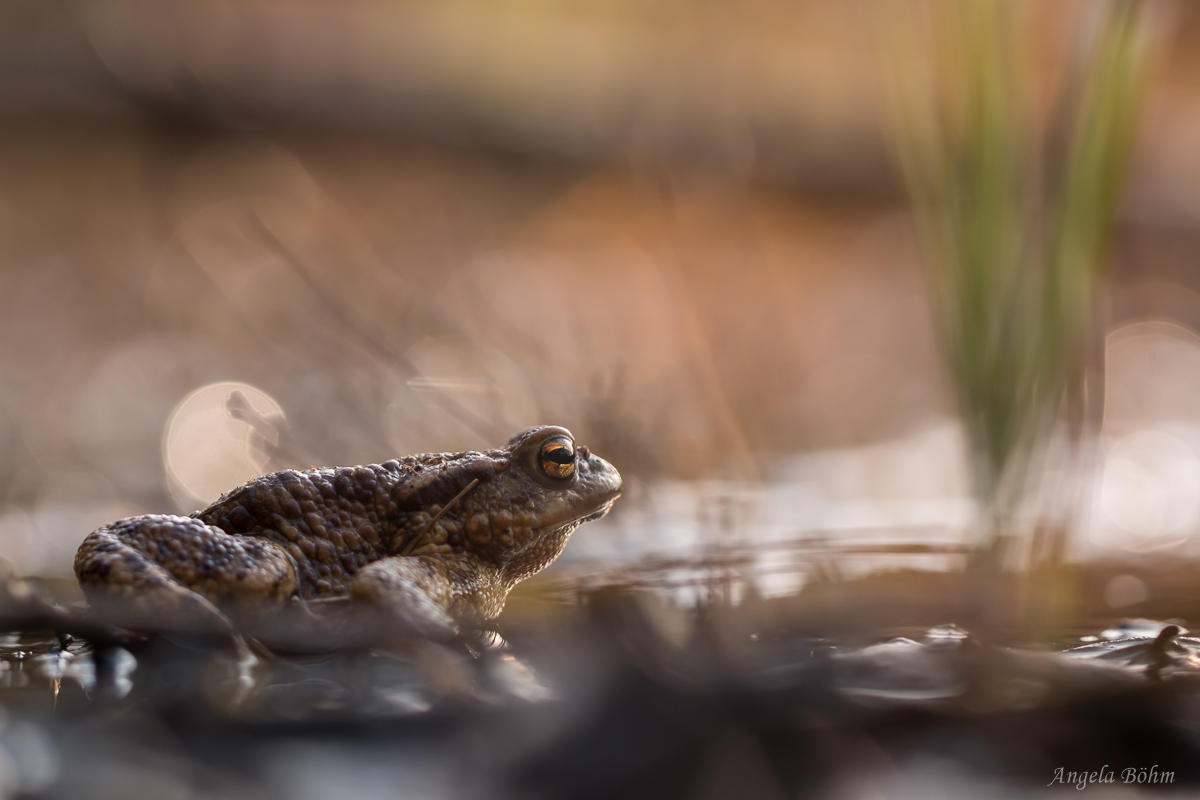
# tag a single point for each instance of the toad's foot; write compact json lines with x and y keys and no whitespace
{"x":154,"y":572}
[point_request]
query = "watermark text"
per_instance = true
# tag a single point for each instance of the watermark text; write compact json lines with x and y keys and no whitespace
{"x":1106,"y":774}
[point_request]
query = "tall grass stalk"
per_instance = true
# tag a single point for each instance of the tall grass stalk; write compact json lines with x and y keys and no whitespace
{"x":1014,"y":197}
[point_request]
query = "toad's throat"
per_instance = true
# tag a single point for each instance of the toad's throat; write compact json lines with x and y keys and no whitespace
{"x":574,"y":521}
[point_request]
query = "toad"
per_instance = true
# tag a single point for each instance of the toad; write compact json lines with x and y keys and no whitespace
{"x":434,"y":541}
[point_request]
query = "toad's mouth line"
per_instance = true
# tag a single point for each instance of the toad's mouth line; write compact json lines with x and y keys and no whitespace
{"x":588,"y":517}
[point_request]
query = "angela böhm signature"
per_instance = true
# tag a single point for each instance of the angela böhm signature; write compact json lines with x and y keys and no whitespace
{"x":1107,"y":774}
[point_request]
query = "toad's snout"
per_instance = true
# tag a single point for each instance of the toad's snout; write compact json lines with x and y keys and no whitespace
{"x":602,"y":478}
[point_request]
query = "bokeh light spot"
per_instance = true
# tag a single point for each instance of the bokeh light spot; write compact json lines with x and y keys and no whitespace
{"x":1125,"y":590}
{"x":1151,"y":489}
{"x":206,"y":451}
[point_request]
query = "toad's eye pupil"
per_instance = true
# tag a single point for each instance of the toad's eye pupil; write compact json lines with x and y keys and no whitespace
{"x":560,"y":455}
{"x":558,"y":459}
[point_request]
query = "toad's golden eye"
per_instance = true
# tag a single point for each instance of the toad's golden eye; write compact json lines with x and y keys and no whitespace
{"x":558,"y":458}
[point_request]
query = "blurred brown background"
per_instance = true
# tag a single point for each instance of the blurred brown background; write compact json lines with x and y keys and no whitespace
{"x":405,"y":227}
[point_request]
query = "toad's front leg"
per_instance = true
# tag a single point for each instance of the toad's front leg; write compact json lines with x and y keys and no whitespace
{"x":432,"y":595}
{"x":158,"y":571}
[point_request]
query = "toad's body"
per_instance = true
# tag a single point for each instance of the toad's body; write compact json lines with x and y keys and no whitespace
{"x":438,"y":540}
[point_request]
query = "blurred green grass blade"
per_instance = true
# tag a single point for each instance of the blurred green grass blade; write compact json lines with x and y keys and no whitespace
{"x":1014,"y":231}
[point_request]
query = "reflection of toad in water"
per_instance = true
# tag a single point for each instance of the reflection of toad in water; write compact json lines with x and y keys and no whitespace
{"x":435,"y":540}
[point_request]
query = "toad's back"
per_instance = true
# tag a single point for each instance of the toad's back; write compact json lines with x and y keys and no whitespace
{"x":328,"y":520}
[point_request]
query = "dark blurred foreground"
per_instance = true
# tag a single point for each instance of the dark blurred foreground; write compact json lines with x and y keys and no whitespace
{"x":633,"y":698}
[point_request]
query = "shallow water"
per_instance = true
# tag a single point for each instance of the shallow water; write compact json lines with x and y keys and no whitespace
{"x":611,"y":707}
{"x":589,"y":717}
{"x":895,"y":504}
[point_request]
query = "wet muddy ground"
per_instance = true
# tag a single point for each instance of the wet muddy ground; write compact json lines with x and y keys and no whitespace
{"x":631,"y":697}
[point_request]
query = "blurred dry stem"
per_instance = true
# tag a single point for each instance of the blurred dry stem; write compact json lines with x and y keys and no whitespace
{"x":1014,"y":213}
